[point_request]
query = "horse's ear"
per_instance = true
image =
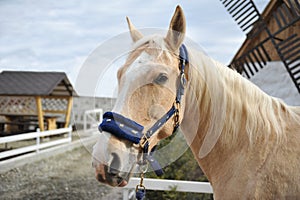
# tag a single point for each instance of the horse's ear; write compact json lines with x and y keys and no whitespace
{"x":176,"y":33}
{"x":135,"y":34}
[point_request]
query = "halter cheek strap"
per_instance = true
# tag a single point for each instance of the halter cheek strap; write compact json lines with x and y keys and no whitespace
{"x":129,"y":130}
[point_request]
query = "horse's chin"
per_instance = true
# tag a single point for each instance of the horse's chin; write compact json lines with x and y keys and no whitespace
{"x":123,"y":183}
{"x":116,"y":181}
{"x":110,"y":179}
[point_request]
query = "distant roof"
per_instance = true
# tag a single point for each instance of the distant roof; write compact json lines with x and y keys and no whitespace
{"x":27,"y":83}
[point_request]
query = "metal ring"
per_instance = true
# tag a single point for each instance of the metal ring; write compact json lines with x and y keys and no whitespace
{"x":183,"y":80}
{"x":144,"y":140}
{"x":144,"y":168}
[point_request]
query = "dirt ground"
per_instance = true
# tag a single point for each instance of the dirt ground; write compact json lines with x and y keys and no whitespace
{"x":63,"y":176}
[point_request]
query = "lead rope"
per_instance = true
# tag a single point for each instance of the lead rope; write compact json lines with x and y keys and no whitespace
{"x":140,"y":190}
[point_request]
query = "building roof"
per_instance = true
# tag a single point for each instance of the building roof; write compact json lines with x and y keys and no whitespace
{"x":273,"y":37}
{"x":27,"y":83}
{"x":257,"y":35}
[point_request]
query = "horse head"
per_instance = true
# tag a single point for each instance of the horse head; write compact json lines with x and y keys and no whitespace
{"x":148,"y":85}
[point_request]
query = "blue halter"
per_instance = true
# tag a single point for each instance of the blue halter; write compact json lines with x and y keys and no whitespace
{"x":129,"y":130}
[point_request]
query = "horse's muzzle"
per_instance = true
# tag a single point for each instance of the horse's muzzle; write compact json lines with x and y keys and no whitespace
{"x":106,"y":175}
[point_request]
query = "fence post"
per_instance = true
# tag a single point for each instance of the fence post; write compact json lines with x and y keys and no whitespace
{"x":84,"y":121}
{"x":38,"y":141}
{"x":125,"y":194}
{"x":70,"y":134}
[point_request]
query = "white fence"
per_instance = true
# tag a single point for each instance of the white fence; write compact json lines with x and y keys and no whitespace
{"x":167,"y":185}
{"x":38,"y":145}
{"x":91,"y":119}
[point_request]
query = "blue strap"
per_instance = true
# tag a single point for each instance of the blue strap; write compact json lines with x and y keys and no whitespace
{"x":161,"y":122}
{"x":123,"y":120}
{"x":155,"y":165}
{"x":152,"y":161}
{"x":183,"y":56}
{"x":121,"y":127}
{"x":127,"y":129}
{"x":140,"y":194}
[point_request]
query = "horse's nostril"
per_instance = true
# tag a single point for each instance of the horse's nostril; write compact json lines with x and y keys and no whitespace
{"x":100,"y":178}
{"x":115,"y":164}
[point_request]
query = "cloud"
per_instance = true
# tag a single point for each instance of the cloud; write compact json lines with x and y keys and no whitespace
{"x":46,"y":35}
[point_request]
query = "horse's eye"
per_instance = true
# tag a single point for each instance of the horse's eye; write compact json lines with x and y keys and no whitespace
{"x":161,"y":79}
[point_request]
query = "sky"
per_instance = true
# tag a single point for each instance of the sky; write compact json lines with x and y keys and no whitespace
{"x":52,"y":35}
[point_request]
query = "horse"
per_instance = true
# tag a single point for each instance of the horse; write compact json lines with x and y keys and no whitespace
{"x":246,"y":142}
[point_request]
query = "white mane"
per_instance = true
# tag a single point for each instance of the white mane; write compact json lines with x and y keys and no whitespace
{"x":236,"y":105}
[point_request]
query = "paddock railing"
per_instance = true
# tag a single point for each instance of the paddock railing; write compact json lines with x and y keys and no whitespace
{"x":38,"y":144}
{"x":166,"y":185}
{"x":91,"y":119}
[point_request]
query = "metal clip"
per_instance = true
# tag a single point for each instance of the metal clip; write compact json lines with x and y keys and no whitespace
{"x":143,"y":167}
{"x":139,"y":186}
{"x":144,"y":140}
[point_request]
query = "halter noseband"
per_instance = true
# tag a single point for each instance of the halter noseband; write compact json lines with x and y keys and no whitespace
{"x":127,"y":129}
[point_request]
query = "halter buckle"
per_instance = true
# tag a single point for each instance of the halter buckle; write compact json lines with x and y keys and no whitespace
{"x":176,"y":114}
{"x":144,"y":140}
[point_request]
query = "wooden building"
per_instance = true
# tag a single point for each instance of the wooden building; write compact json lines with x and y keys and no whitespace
{"x":275,"y":36}
{"x":276,"y":23}
{"x":34,"y":99}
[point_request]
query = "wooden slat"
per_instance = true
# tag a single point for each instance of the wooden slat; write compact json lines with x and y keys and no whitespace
{"x":68,"y":113}
{"x":55,"y":111}
{"x":243,"y":12}
{"x":40,"y":112}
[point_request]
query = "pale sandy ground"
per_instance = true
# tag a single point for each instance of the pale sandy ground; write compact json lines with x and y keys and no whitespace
{"x":63,"y":176}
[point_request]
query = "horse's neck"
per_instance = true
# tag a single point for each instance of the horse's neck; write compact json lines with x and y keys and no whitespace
{"x":214,"y":94}
{"x":209,"y":130}
{"x":242,"y":131}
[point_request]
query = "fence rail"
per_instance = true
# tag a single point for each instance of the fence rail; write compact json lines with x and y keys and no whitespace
{"x":168,"y":185}
{"x":37,"y":136}
{"x":91,"y":119}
